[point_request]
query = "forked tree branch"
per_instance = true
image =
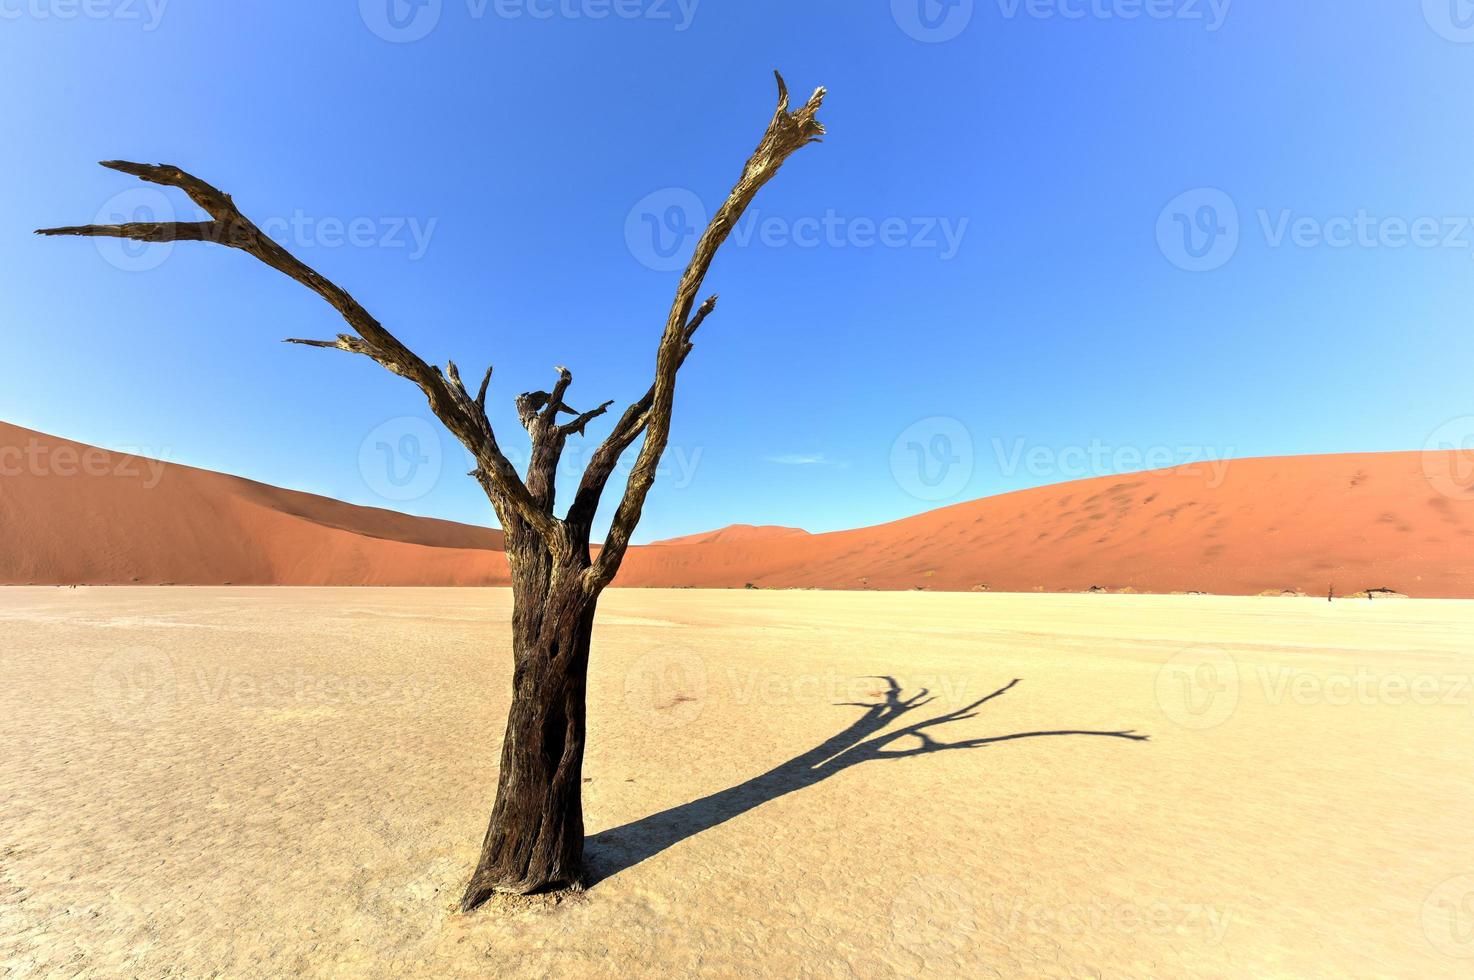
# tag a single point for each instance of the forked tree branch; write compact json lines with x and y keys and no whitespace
{"x":787,"y":133}
{"x":448,"y":400}
{"x":520,"y":505}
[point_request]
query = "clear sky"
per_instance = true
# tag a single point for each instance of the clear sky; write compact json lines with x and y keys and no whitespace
{"x":1046,"y":238}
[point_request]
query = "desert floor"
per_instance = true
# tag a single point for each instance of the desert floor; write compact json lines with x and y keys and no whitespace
{"x":267,"y":782}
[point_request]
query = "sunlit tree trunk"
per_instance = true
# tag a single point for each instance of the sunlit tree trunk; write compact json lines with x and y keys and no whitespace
{"x":535,"y":838}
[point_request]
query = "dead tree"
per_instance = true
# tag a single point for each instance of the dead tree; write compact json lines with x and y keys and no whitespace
{"x":535,"y":838}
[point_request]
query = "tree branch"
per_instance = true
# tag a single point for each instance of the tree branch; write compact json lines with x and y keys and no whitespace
{"x":787,"y":133}
{"x":231,"y":228}
{"x":522,"y":506}
{"x":631,"y":424}
{"x":345,"y":342}
{"x":481,"y":395}
{"x":555,"y":400}
{"x":144,"y":231}
{"x":577,"y":425}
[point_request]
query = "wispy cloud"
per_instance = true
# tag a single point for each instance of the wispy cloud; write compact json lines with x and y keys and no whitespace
{"x":803,"y":459}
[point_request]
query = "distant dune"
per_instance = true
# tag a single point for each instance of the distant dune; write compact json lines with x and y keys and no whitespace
{"x":70,"y":514}
{"x":1355,"y":521}
{"x":737,"y":534}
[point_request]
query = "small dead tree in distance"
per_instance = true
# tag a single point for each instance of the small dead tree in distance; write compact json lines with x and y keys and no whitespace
{"x":535,"y":838}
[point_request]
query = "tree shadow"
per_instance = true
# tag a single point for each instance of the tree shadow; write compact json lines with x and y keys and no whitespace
{"x":612,"y":851}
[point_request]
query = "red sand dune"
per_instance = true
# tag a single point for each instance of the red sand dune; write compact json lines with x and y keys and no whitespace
{"x":70,"y":513}
{"x":1357,"y":521}
{"x":735,"y":534}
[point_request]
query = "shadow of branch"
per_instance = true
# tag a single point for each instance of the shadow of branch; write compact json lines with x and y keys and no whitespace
{"x":866,"y":739}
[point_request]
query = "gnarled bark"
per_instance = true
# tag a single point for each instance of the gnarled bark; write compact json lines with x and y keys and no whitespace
{"x":535,"y":838}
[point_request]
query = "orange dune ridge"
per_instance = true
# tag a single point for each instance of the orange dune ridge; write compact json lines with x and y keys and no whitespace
{"x":1301,"y":523}
{"x":1401,"y":521}
{"x":73,"y":514}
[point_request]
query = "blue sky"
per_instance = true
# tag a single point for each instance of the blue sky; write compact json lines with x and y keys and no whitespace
{"x":1045,"y":239}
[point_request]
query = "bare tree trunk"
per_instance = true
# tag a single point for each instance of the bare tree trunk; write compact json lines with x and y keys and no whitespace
{"x":534,"y":841}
